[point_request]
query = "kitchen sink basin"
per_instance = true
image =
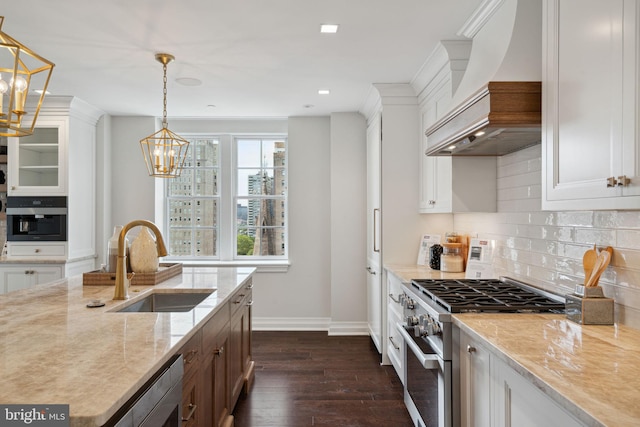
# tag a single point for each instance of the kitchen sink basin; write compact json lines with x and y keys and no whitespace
{"x":166,"y":302}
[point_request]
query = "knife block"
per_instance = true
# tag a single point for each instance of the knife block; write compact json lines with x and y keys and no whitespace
{"x":589,"y":306}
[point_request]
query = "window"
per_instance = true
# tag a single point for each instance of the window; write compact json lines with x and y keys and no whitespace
{"x":230,"y":201}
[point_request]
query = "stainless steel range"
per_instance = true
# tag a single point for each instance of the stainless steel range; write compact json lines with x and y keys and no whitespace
{"x":431,"y":390}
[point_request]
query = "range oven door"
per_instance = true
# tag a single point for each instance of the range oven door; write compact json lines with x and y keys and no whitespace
{"x":428,"y":382}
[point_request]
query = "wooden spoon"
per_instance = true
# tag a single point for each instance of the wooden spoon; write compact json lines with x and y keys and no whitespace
{"x":601,"y":264}
{"x":588,"y":262}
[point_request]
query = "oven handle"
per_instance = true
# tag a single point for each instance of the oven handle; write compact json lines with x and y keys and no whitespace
{"x":428,"y":361}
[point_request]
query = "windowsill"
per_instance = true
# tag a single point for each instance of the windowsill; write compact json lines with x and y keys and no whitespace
{"x":262,"y":266}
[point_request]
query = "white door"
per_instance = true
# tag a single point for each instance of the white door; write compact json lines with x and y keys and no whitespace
{"x":374,"y":244}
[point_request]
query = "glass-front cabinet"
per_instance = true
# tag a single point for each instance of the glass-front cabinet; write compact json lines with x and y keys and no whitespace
{"x":36,"y":162}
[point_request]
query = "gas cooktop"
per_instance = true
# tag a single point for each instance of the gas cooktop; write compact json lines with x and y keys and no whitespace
{"x":488,"y":295}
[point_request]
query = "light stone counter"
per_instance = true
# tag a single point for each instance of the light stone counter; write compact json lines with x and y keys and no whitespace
{"x":406,"y":272}
{"x":592,"y":371}
{"x":56,"y":350}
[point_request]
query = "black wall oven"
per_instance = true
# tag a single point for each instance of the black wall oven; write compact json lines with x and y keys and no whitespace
{"x":42,"y":219}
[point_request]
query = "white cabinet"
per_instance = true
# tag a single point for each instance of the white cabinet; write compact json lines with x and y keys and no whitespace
{"x":494,"y":394}
{"x":59,"y":159}
{"x":517,"y":402}
{"x":21,"y":276}
{"x":37,"y":162}
{"x":395,"y":343}
{"x":374,"y":257}
{"x":394,"y":225}
{"x":475,"y":383}
{"x":590,"y":108}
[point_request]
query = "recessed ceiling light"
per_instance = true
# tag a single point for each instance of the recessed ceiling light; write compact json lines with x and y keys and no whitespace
{"x":188,"y":81}
{"x":451,"y":147}
{"x":329,"y":28}
{"x":324,"y":92}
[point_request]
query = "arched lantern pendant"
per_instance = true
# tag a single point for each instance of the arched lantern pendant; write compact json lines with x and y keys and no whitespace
{"x":22,"y":72}
{"x":164,"y":152}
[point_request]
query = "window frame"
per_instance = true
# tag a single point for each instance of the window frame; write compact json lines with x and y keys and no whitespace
{"x":227,"y":208}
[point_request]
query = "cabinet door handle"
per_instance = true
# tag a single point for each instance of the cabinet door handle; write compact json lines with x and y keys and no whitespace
{"x":471,"y":349}
{"x":37,"y":251}
{"x":376,"y":214}
{"x":219,"y":351}
{"x":192,"y":411}
{"x":611,"y":181}
{"x":250,"y":285}
{"x":397,"y":301}
{"x":623,"y":181}
{"x":250,"y":303}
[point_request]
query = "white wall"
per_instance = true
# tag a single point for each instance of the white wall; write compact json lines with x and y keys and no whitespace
{"x":132,"y":190}
{"x":348,"y":228}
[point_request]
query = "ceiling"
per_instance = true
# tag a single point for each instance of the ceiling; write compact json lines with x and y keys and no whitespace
{"x":255,"y":58}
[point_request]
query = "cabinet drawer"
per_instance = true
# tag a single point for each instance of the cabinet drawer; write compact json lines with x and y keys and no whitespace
{"x":241,"y":298}
{"x":38,"y":250}
{"x":192,"y":354}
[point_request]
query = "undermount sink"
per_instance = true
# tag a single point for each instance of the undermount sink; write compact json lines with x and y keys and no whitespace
{"x":167,"y":302}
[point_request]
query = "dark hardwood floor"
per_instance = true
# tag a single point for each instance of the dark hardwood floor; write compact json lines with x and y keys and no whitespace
{"x":312,"y":379}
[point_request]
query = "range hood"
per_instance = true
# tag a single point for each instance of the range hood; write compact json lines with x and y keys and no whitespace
{"x":500,"y":118}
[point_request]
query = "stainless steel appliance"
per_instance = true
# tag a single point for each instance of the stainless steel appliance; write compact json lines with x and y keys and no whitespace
{"x":158,"y":403}
{"x":41,"y":219}
{"x":432,"y":367}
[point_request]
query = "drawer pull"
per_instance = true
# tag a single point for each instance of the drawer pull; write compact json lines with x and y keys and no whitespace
{"x":471,"y":349}
{"x":219,"y":351}
{"x":250,"y":285}
{"x":190,"y":356}
{"x":394,"y":343}
{"x":192,"y":411}
{"x":394,"y":300}
{"x":250,"y":303}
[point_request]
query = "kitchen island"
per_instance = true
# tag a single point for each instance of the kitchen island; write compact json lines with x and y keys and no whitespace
{"x":56,"y":350}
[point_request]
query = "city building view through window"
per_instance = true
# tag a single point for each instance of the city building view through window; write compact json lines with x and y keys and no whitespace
{"x":257,"y":200}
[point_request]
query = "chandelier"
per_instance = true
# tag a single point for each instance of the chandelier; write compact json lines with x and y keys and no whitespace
{"x":22,"y":71}
{"x":164,"y":152}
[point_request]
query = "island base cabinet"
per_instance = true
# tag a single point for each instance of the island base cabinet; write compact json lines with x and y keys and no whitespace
{"x":218,"y":365}
{"x":241,"y":367}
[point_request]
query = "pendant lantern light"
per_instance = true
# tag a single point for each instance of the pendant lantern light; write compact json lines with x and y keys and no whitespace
{"x":164,"y":152}
{"x":22,"y":72}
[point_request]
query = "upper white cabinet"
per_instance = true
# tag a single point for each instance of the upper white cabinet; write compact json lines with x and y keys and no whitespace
{"x":590,"y":147}
{"x":37,"y":162}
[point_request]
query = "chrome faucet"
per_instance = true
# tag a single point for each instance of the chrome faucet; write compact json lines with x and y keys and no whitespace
{"x":122,"y":281}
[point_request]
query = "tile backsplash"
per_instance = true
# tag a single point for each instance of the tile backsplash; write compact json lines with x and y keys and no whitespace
{"x":545,"y":248}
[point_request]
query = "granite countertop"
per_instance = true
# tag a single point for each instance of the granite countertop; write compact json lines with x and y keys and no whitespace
{"x":56,"y":350}
{"x":592,"y":371}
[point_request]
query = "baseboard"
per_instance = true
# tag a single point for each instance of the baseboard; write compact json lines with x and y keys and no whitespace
{"x":309,"y":324}
{"x":290,"y":323}
{"x":349,"y":328}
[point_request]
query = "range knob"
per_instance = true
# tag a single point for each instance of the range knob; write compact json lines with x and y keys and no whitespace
{"x":412,"y":320}
{"x":408,"y":303}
